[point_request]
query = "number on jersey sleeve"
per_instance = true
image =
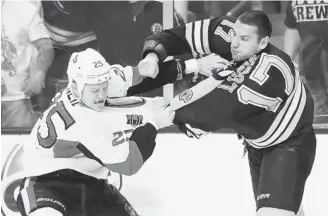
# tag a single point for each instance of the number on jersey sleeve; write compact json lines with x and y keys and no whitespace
{"x":225,"y":30}
{"x":51,"y":138}
{"x":260,"y":75}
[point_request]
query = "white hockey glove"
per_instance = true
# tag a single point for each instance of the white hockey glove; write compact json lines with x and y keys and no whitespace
{"x":163,"y":118}
{"x":206,"y":66}
{"x":211,"y":63}
{"x":223,"y":73}
{"x":148,"y":67}
{"x":119,"y":82}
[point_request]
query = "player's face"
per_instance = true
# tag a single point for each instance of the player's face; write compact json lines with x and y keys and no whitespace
{"x":244,"y":43}
{"x":95,"y":95}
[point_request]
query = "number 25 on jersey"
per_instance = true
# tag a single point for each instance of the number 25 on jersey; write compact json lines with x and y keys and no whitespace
{"x":46,"y":133}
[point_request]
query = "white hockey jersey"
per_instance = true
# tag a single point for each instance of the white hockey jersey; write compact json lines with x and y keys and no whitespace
{"x":67,"y":127}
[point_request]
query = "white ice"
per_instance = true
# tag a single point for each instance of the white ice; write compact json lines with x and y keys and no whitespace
{"x":189,"y":177}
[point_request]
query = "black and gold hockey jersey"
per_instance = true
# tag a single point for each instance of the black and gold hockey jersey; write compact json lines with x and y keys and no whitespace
{"x":264,"y":100}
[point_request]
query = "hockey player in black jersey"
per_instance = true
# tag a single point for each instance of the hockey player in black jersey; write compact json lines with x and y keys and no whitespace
{"x":263,"y":100}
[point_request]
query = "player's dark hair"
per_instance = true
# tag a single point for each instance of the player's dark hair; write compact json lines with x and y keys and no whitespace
{"x":260,"y":20}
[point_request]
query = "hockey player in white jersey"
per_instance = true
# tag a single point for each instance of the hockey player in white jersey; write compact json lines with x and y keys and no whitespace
{"x":78,"y":141}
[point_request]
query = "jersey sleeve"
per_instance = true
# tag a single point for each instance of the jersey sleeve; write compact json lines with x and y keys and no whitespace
{"x":128,"y":81}
{"x":195,"y":38}
{"x":209,"y":113}
{"x":169,"y":72}
{"x":141,"y":146}
{"x":273,"y":76}
{"x":290,"y":20}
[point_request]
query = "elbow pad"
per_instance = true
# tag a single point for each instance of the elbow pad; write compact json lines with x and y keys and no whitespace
{"x":144,"y":137}
{"x":153,"y":46}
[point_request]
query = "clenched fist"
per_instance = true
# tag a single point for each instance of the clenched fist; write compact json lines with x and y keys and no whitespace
{"x":148,"y":67}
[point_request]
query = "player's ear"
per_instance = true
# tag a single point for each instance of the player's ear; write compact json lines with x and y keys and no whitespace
{"x":264,"y":42}
{"x":75,"y":90}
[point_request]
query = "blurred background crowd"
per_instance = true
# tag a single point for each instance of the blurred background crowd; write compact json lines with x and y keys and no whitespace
{"x":38,"y":37}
